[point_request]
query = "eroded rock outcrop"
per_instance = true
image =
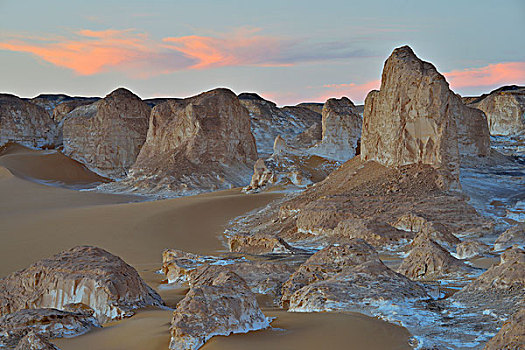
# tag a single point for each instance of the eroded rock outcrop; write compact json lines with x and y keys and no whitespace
{"x":46,"y":323}
{"x":504,"y":108}
{"x":471,"y":248}
{"x":222,"y":306}
{"x":511,"y":336}
{"x":198,"y":144}
{"x":88,"y":275}
{"x":25,"y":123}
{"x":65,"y":107}
{"x":341,"y":130}
{"x":33,"y":341}
{"x":416,"y":118}
{"x":427,"y":260}
{"x":107,"y":135}
{"x":515,"y":235}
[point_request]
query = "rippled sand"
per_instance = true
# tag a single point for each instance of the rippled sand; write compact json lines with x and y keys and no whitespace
{"x":38,"y":220}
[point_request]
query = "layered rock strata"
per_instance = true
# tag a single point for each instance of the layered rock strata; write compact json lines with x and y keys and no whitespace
{"x":88,"y":275}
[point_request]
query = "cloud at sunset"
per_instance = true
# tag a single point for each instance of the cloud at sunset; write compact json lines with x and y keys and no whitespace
{"x":88,"y":52}
{"x":492,"y":75}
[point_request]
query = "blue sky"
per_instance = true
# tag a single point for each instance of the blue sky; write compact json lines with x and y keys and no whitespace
{"x":287,"y":51}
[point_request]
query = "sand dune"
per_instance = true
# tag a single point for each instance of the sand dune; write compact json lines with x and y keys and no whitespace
{"x":38,"y":221}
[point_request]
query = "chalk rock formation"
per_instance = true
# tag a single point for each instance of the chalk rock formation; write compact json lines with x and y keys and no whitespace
{"x":33,"y":341}
{"x":88,"y":275}
{"x":107,"y":135}
{"x":511,"y":336}
{"x":347,"y":277}
{"x":341,"y":125}
{"x":269,"y":121}
{"x":198,"y":144}
{"x":314,"y":106}
{"x":512,"y":236}
{"x":62,"y":109}
{"x":262,"y":176}
{"x":428,"y":261}
{"x":223,"y":306}
{"x":416,"y":118}
{"x":25,"y":123}
{"x":48,"y":323}
{"x":504,"y":108}
{"x":470,"y":248}
{"x":259,"y":244}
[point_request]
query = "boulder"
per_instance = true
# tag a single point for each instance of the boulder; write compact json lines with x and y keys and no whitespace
{"x":88,"y":275}
{"x":341,"y":130}
{"x":47,"y":323}
{"x":33,"y":341}
{"x":25,"y":123}
{"x":222,"y":306}
{"x":470,"y":249}
{"x":416,"y":118}
{"x":427,"y":260}
{"x":198,"y":144}
{"x":259,"y":244}
{"x":107,"y":135}
{"x":515,"y":235}
{"x":504,"y":108}
{"x":511,"y":336}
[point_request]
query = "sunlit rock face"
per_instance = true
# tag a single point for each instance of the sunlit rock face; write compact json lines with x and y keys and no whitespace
{"x":25,"y":123}
{"x":416,"y":118}
{"x":341,"y":130}
{"x":198,"y":144}
{"x":504,"y":108}
{"x":511,"y":335}
{"x":88,"y":275}
{"x":33,"y":341}
{"x":47,"y":323}
{"x":514,"y":235}
{"x":220,"y":305}
{"x":107,"y":135}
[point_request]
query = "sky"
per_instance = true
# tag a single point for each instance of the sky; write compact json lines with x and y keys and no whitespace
{"x":287,"y":51}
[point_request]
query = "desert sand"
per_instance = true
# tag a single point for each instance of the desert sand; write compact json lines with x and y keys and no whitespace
{"x":39,"y":220}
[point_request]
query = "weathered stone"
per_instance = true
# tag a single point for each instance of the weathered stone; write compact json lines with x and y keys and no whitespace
{"x":262,"y":177}
{"x":61,"y":110}
{"x":88,"y":275}
{"x":33,"y":341}
{"x":341,"y":125}
{"x":259,"y":244}
{"x":314,"y":106}
{"x":512,"y":236}
{"x":469,"y":249}
{"x":416,"y":118}
{"x":427,"y":260}
{"x":504,"y":108}
{"x":25,"y":123}
{"x":107,"y":135}
{"x":326,"y":263}
{"x":198,"y":144}
{"x":223,"y":306}
{"x":511,"y":336}
{"x":48,"y":323}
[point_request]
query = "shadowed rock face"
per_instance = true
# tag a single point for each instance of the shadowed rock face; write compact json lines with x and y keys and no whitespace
{"x":25,"y":123}
{"x":47,"y":323}
{"x":61,"y":110}
{"x":416,"y":118}
{"x":33,"y":341}
{"x":221,"y":305}
{"x":504,"y":108}
{"x":198,"y":144}
{"x":88,"y":275}
{"x":511,"y":336}
{"x":107,"y":135}
{"x":341,"y":133}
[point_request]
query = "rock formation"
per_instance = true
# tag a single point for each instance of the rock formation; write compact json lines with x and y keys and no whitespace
{"x":416,"y":118}
{"x":504,"y":108}
{"x":429,"y":261}
{"x":511,"y":336}
{"x":341,"y":125}
{"x":314,"y":106}
{"x":107,"y":135}
{"x":62,"y":109}
{"x":198,"y":144}
{"x":88,"y":275}
{"x":47,"y":323}
{"x":269,"y":121}
{"x":223,"y":306}
{"x":471,"y":248}
{"x":515,"y":235}
{"x":33,"y":341}
{"x":25,"y":123}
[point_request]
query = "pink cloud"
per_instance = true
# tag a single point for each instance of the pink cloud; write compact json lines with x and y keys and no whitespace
{"x":356,"y":92}
{"x":492,"y":75}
